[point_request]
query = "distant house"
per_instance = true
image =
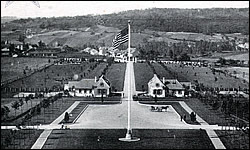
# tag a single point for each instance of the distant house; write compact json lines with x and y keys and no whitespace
{"x":103,"y":50}
{"x":66,"y":60}
{"x":243,"y":46}
{"x":17,"y":44}
{"x":89,"y":87}
{"x":44,"y":53}
{"x":5,"y":52}
{"x":93,"y":52}
{"x":122,"y":55}
{"x":156,"y":87}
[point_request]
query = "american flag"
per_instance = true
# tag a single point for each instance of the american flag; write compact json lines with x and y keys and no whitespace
{"x":120,"y":38}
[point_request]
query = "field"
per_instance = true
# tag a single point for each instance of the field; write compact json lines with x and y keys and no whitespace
{"x":54,"y":77}
{"x":95,"y":35}
{"x":116,"y":75}
{"x":19,"y":139}
{"x":205,"y":76}
{"x":11,"y":68}
{"x":239,"y":72}
{"x":234,"y":139}
{"x":47,"y":115}
{"x":25,"y":107}
{"x":143,"y":73}
{"x":207,"y":113}
{"x":244,"y":56}
{"x":163,"y":72}
{"x":108,"y":138}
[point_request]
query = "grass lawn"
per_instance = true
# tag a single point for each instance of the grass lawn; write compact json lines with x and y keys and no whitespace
{"x":180,"y":110}
{"x":206,"y":112}
{"x":143,"y":73}
{"x":204,"y":75}
{"x":234,"y":139}
{"x":162,"y":72}
{"x":97,"y":71}
{"x":20,"y":139}
{"x":240,"y":72}
{"x":13,"y":67}
{"x":150,"y":139}
{"x":47,"y":116}
{"x":116,"y":76}
{"x":25,"y":107}
{"x":52,"y":77}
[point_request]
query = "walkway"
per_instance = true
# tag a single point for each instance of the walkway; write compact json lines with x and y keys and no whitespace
{"x":47,"y":130}
{"x":210,"y":132}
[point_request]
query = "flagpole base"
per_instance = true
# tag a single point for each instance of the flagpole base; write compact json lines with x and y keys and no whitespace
{"x":129,"y":138}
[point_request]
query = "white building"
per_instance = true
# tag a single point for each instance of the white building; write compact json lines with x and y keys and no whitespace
{"x":174,"y":88}
{"x":156,"y":87}
{"x":89,"y":87}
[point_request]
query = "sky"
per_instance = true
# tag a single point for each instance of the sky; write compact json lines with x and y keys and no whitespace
{"x":25,"y":9}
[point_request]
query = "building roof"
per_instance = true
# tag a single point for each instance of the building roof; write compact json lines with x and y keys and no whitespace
{"x":173,"y":84}
{"x":16,"y":42}
{"x":105,"y":79}
{"x":82,"y":84}
{"x":87,"y":83}
{"x":154,"y":80}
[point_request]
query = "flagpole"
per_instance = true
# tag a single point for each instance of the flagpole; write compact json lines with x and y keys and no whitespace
{"x":129,"y":137}
{"x":129,"y":86}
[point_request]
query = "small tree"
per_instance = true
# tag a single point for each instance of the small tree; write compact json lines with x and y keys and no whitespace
{"x":27,"y":98}
{"x":3,"y":112}
{"x":15,"y":105}
{"x":21,"y":104}
{"x":7,"y":111}
{"x":155,"y":98}
{"x":38,"y":109}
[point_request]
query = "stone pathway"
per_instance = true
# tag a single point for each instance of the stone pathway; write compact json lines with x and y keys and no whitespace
{"x":47,"y":131}
{"x":210,"y":132}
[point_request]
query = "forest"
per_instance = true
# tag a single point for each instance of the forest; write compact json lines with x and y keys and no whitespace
{"x":207,"y":21}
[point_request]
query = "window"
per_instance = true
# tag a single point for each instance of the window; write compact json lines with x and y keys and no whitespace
{"x":154,"y":91}
{"x":159,"y":92}
{"x":179,"y":91}
{"x":102,"y":84}
{"x":80,"y":91}
{"x":99,"y":91}
{"x":85,"y":91}
{"x":157,"y":84}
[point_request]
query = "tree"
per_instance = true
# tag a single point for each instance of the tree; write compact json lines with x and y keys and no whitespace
{"x":66,"y":117}
{"x":21,"y":104}
{"x":3,"y":112}
{"x":184,"y":57}
{"x":155,"y":98}
{"x":15,"y":105}
{"x":38,"y":109}
{"x":7,"y":110}
{"x":8,"y":140}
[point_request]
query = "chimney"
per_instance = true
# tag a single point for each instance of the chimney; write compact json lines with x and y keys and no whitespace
{"x":95,"y":79}
{"x":163,"y":80}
